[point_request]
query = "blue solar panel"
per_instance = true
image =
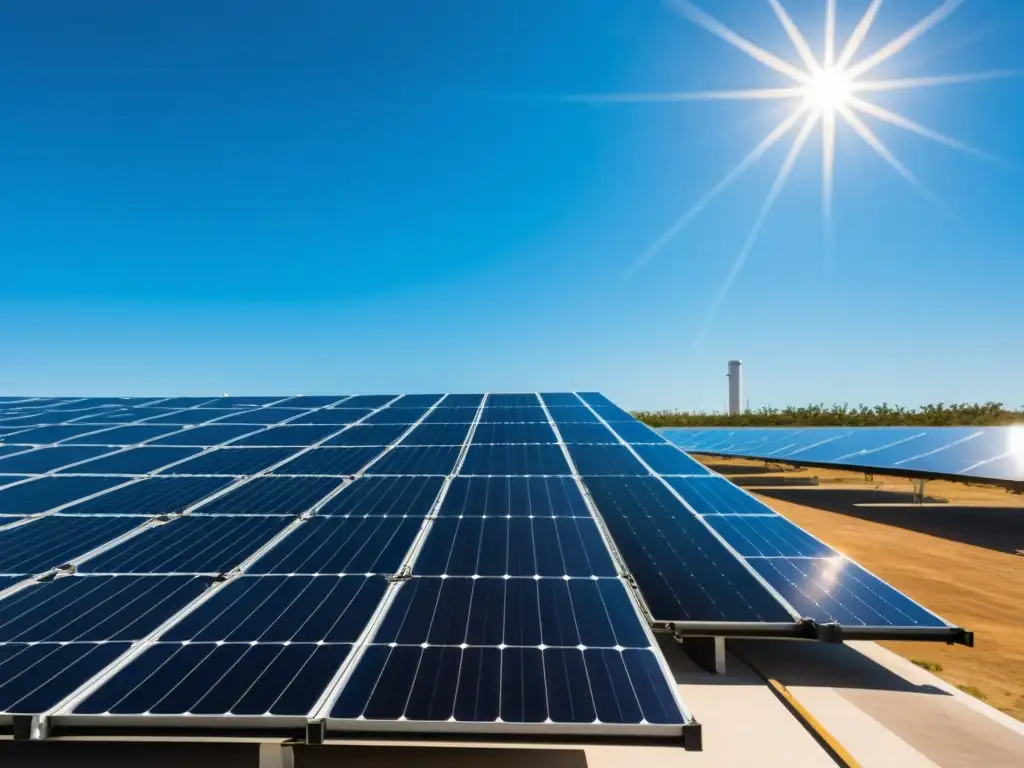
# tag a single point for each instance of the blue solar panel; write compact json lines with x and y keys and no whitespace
{"x":834,"y":589}
{"x":329,"y":461}
{"x":95,"y":608}
{"x":682,"y":570}
{"x":270,"y":495}
{"x":283,"y":609}
{"x":559,"y":398}
{"x":417,"y":460}
{"x":338,"y":416}
{"x":669,"y":460}
{"x":516,"y":459}
{"x":437,"y":434}
{"x":511,"y":401}
{"x":769,"y":536}
{"x":514,"y":497}
{"x":533,"y":432}
{"x":46,"y":493}
{"x":605,"y":460}
{"x":47,"y":542}
{"x":134,"y":461}
{"x":586,"y":433}
{"x":213,"y":679}
{"x":371,"y":435}
{"x":367,"y":401}
{"x":517,"y":413}
{"x":231,"y":461}
{"x":129,"y":435}
{"x":44,"y":460}
{"x":394,"y":496}
{"x":268,"y":416}
{"x":530,"y":612}
{"x":635,"y":432}
{"x":451,"y":416}
{"x":462,"y":401}
{"x":396,"y":415}
{"x":517,"y":546}
{"x":313,"y":401}
{"x":299,"y":436}
{"x":342,"y":545}
{"x":180,"y":418}
{"x":34,"y":678}
{"x":984,"y":453}
{"x":415,"y":401}
{"x":46,"y":435}
{"x":189,"y":544}
{"x":153,"y":496}
{"x":211,"y":434}
{"x":713,"y":495}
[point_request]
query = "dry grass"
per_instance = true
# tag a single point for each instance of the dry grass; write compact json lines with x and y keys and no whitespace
{"x":975,"y":587}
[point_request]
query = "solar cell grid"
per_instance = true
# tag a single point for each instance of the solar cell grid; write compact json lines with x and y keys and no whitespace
{"x":128,"y":435}
{"x":416,"y":401}
{"x":95,"y":608}
{"x":314,"y":401}
{"x":45,"y":493}
{"x":368,"y":402}
{"x":499,"y":400}
{"x":190,"y":544}
{"x":207,"y":436}
{"x":514,"y":497}
{"x":519,"y":413}
{"x":329,"y":461}
{"x":392,"y":496}
{"x":559,"y":398}
{"x":517,"y":459}
{"x":181,"y":418}
{"x":338,"y":416}
{"x":451,"y":416}
{"x":417,"y":460}
{"x":379,"y":435}
{"x":266,"y":416}
{"x":153,"y":496}
{"x":271,"y":495}
{"x":668,"y":460}
{"x":636,"y":432}
{"x":337,"y":545}
{"x":52,"y":434}
{"x":231,"y":461}
{"x":517,"y":546}
{"x":571,"y":414}
{"x":601,"y":459}
{"x":279,"y":609}
{"x":520,"y":611}
{"x":184,"y":402}
{"x":134,"y":461}
{"x":461,"y":401}
{"x":297,"y":436}
{"x":36,"y":677}
{"x":42,"y":460}
{"x":533,"y":432}
{"x":573,"y":432}
{"x":713,"y":495}
{"x":47,"y":542}
{"x":437,"y":434}
{"x":396,"y":415}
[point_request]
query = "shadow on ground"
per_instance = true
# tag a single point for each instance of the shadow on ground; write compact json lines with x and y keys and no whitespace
{"x":997,"y":528}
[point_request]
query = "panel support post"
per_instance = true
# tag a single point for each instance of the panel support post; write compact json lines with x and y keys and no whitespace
{"x":275,"y":755}
{"x":708,"y":653}
{"x":919,"y":491}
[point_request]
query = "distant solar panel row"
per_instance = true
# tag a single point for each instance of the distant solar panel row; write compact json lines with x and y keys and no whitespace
{"x":978,"y":453}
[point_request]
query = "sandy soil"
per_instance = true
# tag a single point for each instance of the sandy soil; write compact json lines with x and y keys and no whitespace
{"x":962,"y":559}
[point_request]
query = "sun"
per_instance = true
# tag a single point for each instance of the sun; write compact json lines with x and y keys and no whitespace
{"x":826,"y":90}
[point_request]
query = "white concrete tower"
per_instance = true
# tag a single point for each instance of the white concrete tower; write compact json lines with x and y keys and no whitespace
{"x":735,"y":377}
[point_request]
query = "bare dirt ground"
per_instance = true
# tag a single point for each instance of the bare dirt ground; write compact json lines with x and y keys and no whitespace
{"x":961,"y":555}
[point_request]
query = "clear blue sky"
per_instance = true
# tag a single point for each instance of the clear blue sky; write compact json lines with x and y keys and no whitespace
{"x":264,"y":197}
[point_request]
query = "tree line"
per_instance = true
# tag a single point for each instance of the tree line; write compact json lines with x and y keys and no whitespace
{"x":836,"y":415}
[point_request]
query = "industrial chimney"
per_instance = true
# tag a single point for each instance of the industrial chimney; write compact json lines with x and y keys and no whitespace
{"x":735,"y":377}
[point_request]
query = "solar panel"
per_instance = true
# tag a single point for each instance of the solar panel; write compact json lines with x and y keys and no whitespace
{"x":381,"y":563}
{"x":45,"y":493}
{"x":53,"y":434}
{"x":981,"y":453}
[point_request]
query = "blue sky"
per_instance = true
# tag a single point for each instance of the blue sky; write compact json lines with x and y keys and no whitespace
{"x":256,"y":197}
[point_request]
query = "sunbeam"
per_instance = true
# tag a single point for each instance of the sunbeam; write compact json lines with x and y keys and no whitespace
{"x":909,"y":125}
{"x":827,"y":91}
{"x":755,"y":231}
{"x":859,"y":33}
{"x":883,"y":151}
{"x":750,"y":94}
{"x":767,"y":143}
{"x":893,"y":47}
{"x":717,"y":28}
{"x":905,"y":83}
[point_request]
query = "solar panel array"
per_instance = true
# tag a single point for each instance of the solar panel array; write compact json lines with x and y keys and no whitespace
{"x":375,"y":562}
{"x":994,"y":454}
{"x":461,"y":563}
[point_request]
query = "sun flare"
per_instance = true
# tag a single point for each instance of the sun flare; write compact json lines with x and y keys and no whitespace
{"x":826,"y":91}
